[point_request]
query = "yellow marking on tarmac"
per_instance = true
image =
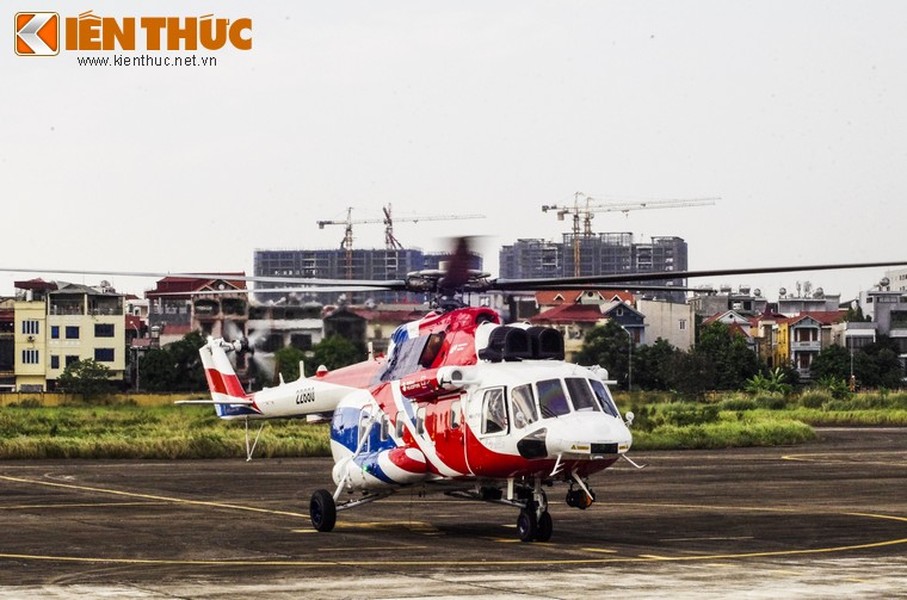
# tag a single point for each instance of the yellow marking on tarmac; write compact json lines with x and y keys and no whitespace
{"x":154,"y":497}
{"x":360,"y":548}
{"x":599,"y":550}
{"x":879,"y":458}
{"x":416,"y":563}
{"x":644,"y":558}
{"x":80,"y":505}
{"x":709,"y":539}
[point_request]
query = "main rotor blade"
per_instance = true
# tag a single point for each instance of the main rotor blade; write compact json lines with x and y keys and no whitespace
{"x":365,"y":284}
{"x":626,"y":279}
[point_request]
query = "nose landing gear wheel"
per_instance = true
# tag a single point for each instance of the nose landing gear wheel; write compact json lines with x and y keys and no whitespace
{"x":323,"y":511}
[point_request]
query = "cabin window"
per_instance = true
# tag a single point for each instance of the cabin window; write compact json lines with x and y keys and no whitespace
{"x":455,"y":415}
{"x":552,"y":399}
{"x":365,"y":421}
{"x":581,"y":394}
{"x":384,"y":428}
{"x":522,"y":406}
{"x":604,"y":398}
{"x":399,"y":424}
{"x":494,"y":411}
{"x":420,"y":421}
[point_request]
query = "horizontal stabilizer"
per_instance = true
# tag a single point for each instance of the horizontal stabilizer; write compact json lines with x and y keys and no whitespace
{"x":232,"y":402}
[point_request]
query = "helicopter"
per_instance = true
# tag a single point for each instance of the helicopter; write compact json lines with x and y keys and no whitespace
{"x":462,"y":403}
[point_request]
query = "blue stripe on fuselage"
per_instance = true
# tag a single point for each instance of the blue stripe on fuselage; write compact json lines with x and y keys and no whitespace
{"x":345,"y":431}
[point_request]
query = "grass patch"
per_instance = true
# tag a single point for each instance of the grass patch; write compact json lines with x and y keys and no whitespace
{"x":663,"y":421}
{"x":165,"y":432}
{"x":730,"y":430}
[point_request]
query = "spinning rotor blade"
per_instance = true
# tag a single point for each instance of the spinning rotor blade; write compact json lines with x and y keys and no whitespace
{"x":316,"y":284}
{"x":626,"y":279}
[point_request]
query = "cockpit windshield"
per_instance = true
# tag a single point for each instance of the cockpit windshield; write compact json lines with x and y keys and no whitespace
{"x":604,"y":398}
{"x":552,"y":399}
{"x":582,"y":397}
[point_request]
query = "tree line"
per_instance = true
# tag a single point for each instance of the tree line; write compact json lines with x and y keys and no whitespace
{"x":721,"y":360}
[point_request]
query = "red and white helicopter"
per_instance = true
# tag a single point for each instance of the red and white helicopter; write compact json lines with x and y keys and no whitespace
{"x":461,"y":404}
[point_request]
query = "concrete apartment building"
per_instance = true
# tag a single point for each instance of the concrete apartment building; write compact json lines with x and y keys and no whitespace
{"x":55,"y":325}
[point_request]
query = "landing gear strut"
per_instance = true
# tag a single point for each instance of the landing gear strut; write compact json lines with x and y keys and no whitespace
{"x":534,"y":524}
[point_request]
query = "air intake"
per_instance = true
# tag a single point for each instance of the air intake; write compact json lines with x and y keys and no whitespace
{"x":547,"y":343}
{"x":507,"y":343}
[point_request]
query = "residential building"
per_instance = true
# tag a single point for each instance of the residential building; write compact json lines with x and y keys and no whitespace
{"x":56,"y":325}
{"x":180,"y":305}
{"x":673,"y":322}
{"x":804,"y":338}
{"x":888,"y":310}
{"x":30,"y":334}
{"x":737,"y":324}
{"x":744,"y":300}
{"x":281,"y":326}
{"x":86,"y":323}
{"x":806,"y":299}
{"x":7,"y":345}
{"x":575,"y":318}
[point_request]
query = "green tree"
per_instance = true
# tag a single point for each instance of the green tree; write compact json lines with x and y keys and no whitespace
{"x":608,"y":346}
{"x":287,"y":361}
{"x":88,"y":378}
{"x":775,"y":383}
{"x":734,"y":360}
{"x":832,"y":362}
{"x":333,"y":352}
{"x":651,"y":365}
{"x":690,"y":373}
{"x":176,"y":367}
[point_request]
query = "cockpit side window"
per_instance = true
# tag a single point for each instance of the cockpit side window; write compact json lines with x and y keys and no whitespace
{"x":431,"y":350}
{"x":604,"y":398}
{"x":494,"y":411}
{"x":404,"y":358}
{"x":581,"y":394}
{"x":552,"y":399}
{"x":522,"y":406}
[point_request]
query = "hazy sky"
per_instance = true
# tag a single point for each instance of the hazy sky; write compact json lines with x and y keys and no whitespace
{"x":794,"y":113}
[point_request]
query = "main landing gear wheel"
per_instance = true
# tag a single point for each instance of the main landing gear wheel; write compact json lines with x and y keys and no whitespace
{"x":534,"y":529}
{"x":323,"y":511}
{"x":545,"y":528}
{"x":527,"y":525}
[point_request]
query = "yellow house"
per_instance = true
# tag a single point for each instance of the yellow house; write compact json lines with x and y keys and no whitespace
{"x":85,"y":323}
{"x":782,"y":343}
{"x":30,"y":346}
{"x":55,"y":326}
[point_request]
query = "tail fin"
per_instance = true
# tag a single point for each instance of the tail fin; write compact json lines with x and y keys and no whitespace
{"x":227,"y":394}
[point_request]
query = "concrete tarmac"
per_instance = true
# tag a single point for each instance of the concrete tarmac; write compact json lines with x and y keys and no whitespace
{"x":823,"y":520}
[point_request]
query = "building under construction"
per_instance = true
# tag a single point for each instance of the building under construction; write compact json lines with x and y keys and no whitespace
{"x":599,"y":254}
{"x":342,"y":264}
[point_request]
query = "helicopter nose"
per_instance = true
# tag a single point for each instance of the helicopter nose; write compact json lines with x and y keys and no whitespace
{"x":587,"y":435}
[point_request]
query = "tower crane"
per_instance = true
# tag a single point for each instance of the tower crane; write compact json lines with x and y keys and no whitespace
{"x":390,"y":241}
{"x":586,"y":213}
